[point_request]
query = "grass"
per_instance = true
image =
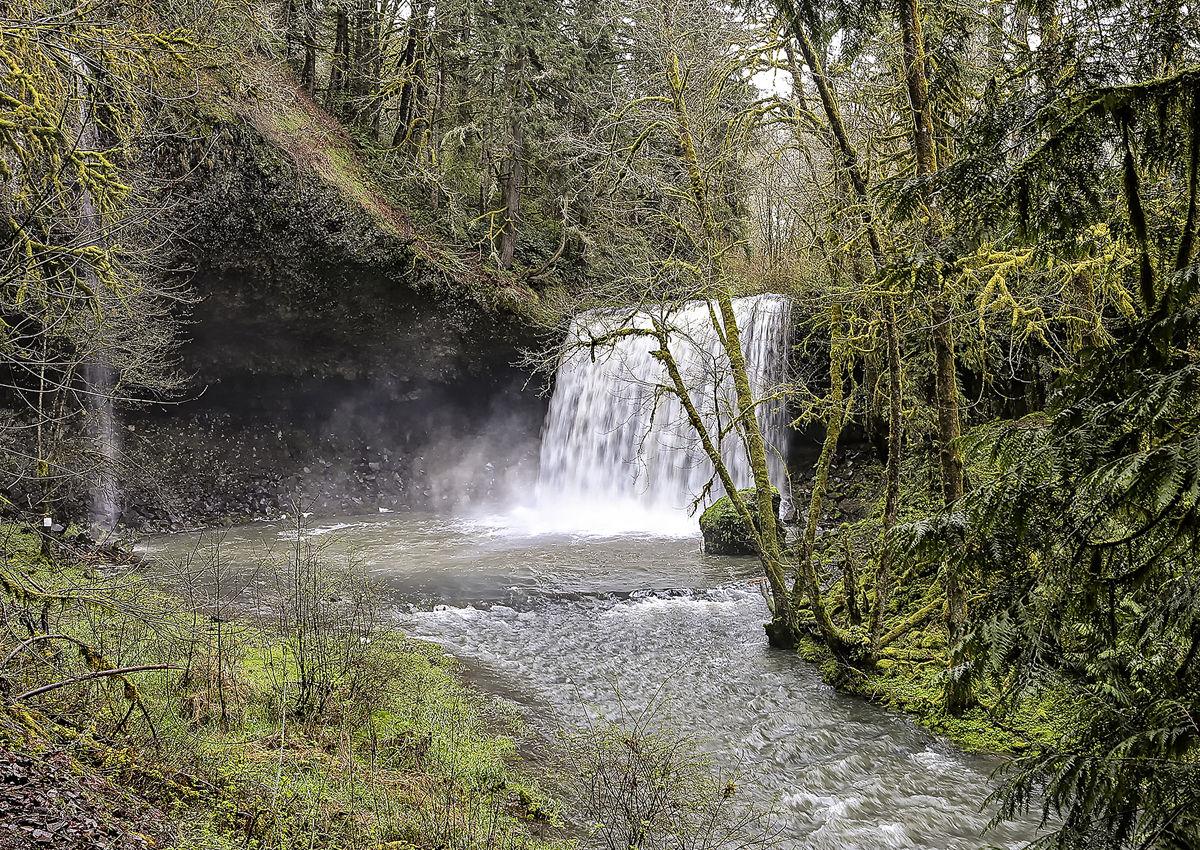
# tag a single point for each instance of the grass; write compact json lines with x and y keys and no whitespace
{"x":398,"y":753}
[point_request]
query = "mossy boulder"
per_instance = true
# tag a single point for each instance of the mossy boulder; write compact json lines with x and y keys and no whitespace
{"x":723,"y":530}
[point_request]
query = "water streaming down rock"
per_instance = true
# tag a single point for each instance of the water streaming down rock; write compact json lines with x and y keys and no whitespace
{"x":99,"y":378}
{"x":619,"y":454}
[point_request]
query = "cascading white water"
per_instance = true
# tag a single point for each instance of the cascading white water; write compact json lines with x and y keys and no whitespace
{"x":100,"y":380}
{"x":619,"y":454}
{"x":99,"y":377}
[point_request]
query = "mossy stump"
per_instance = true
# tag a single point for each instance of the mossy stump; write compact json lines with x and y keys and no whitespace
{"x":724,"y":532}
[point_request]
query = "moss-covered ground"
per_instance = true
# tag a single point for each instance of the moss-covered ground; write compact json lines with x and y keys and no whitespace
{"x":916,"y":686}
{"x":397,"y":751}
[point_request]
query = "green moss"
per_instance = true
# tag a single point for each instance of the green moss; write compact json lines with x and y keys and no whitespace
{"x":724,"y":531}
{"x":916,"y":688}
{"x":413,"y":759}
{"x":22,"y":548}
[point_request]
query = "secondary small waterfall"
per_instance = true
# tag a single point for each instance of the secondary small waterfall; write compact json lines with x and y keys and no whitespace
{"x":619,"y":453}
{"x":99,"y":378}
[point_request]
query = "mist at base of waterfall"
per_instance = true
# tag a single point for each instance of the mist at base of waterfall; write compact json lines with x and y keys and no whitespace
{"x":618,"y":454}
{"x":560,"y":516}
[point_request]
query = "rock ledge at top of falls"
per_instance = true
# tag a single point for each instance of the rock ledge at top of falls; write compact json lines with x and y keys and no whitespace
{"x":724,"y":532}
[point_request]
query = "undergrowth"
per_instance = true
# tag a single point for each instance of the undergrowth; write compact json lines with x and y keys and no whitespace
{"x":296,"y":722}
{"x":917,"y":687}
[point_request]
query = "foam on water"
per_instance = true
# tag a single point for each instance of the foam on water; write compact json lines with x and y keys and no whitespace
{"x":579,"y":518}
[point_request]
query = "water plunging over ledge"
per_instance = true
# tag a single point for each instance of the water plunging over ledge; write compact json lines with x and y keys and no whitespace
{"x":618,"y":453}
{"x":98,"y":377}
{"x":104,"y":510}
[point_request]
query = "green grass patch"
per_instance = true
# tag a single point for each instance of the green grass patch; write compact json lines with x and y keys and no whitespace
{"x":392,"y":749}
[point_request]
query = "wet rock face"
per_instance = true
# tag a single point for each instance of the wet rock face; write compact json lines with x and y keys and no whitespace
{"x":328,"y":449}
{"x":296,"y":279}
{"x":327,"y":364}
{"x":723,"y":530}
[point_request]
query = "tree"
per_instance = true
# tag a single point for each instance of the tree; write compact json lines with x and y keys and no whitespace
{"x":82,"y":326}
{"x":1083,"y":527}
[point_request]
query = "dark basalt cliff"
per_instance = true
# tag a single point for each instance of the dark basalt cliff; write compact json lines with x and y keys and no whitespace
{"x":333,"y":351}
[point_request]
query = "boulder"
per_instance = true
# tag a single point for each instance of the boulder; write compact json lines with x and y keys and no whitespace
{"x":724,"y":532}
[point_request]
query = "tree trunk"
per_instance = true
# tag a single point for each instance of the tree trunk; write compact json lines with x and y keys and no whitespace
{"x":829,"y":103}
{"x":515,"y":170}
{"x":407,"y":71}
{"x":782,"y":630}
{"x":958,"y":688}
{"x":807,"y":584}
{"x":308,"y":73}
{"x":1050,"y":50}
{"x":770,"y":554}
{"x":339,"y":66}
{"x":290,"y":29}
{"x":375,"y":110}
{"x":883,"y":569}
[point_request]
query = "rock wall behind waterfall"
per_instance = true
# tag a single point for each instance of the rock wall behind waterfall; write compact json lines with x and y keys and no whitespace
{"x":324,"y":357}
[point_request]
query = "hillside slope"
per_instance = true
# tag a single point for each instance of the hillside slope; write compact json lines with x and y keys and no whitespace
{"x":331,"y":331}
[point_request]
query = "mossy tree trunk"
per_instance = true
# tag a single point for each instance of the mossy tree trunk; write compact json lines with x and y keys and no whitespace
{"x":783,"y":628}
{"x":958,"y":688}
{"x":849,"y":156}
{"x":891,"y":500}
{"x":807,"y":584}
{"x":514,"y":174}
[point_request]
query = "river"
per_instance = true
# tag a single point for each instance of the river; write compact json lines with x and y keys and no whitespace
{"x":572,"y":627}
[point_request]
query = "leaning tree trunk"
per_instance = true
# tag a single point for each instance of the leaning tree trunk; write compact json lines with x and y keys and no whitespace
{"x":807,"y":583}
{"x":765,"y":533}
{"x":891,"y":501}
{"x":515,"y":172}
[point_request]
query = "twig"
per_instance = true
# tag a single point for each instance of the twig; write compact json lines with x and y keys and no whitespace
{"x":97,"y":674}
{"x":35,"y":639}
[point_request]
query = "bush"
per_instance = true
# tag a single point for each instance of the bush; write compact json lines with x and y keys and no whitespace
{"x":651,"y":788}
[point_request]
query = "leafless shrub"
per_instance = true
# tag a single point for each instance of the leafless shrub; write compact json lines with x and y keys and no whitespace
{"x":328,"y":617}
{"x":647,"y":787}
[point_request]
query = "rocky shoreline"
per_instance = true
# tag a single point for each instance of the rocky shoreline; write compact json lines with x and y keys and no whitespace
{"x":194,"y":474}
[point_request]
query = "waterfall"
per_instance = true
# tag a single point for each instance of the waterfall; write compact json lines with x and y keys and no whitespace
{"x":619,"y":454}
{"x":99,"y":378}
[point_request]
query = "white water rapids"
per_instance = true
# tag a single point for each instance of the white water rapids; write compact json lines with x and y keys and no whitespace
{"x":573,"y":628}
{"x":618,"y":452}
